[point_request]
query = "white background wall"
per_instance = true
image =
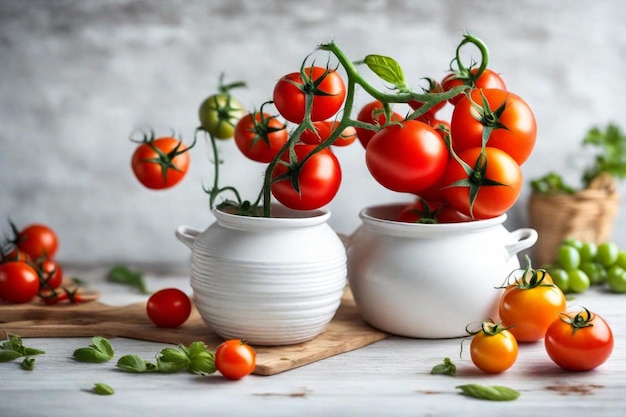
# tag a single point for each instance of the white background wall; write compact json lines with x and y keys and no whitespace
{"x":77,"y":77}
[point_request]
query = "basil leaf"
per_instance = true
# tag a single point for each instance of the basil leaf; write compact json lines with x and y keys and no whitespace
{"x":123,"y":275}
{"x":28,"y":351}
{"x":103,"y":345}
{"x":386,"y":68}
{"x":135,"y":364}
{"x":172,"y":360}
{"x":90,"y":355}
{"x":445,"y":368}
{"x":28,"y":364}
{"x":102,"y":389}
{"x":489,"y":392}
{"x":165,"y":367}
{"x":201,"y":360}
{"x":9,"y":355}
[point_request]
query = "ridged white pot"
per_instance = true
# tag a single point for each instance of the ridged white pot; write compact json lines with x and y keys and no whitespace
{"x":271,"y":281}
{"x":430,"y":280}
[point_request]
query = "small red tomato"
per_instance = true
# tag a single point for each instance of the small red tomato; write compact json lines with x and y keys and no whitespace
{"x":38,"y":241}
{"x":169,"y":307}
{"x":19,"y":282}
{"x":160,"y":163}
{"x":52,"y":273}
{"x":579,"y":341}
{"x":235,"y":359}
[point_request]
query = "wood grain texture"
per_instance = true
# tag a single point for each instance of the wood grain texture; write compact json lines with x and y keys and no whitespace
{"x":347,"y":331}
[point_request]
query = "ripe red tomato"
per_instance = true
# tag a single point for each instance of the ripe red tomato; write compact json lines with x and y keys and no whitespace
{"x":431,"y":212}
{"x":323,"y":130}
{"x":290,"y":94}
{"x":160,"y":163}
{"x":530,"y":305}
{"x":579,"y":341}
{"x":488,"y":79}
{"x":259,"y":136}
{"x":51,"y":273}
{"x":15,"y":255}
{"x":318,"y":179}
{"x":169,"y":307}
{"x":514,"y":129}
{"x":19,"y":282}
{"x":490,"y":200}
{"x":493,"y":349}
{"x":372,"y":113}
{"x":38,"y":241}
{"x":433,"y":87}
{"x":235,"y":359}
{"x":407,"y":157}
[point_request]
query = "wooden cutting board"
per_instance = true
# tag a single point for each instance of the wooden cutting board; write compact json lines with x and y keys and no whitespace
{"x":347,"y":331}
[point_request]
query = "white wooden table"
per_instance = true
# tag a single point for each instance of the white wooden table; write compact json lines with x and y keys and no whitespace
{"x":388,"y":378}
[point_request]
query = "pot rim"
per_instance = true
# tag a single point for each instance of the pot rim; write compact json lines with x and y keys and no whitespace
{"x":282,"y":218}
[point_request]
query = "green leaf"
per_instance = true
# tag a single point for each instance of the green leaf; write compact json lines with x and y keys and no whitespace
{"x":445,"y":368}
{"x":102,"y":389}
{"x":172,"y":360}
{"x":103,"y":345}
{"x":9,"y":355}
{"x":123,"y":275}
{"x":90,"y":355}
{"x":28,"y":351}
{"x":387,"y":69}
{"x":201,"y":360}
{"x":28,"y":364}
{"x":16,"y":346}
{"x":135,"y":364}
{"x":489,"y":392}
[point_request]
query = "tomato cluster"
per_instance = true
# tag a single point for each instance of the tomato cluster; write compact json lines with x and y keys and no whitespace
{"x":580,"y":265}
{"x":28,"y":267}
{"x":533,"y":308}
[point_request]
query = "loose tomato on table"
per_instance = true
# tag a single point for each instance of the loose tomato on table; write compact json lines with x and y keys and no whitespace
{"x":482,"y":183}
{"x":325,"y":86}
{"x":309,"y":185}
{"x":160,"y":163}
{"x":493,"y":348}
{"x":169,"y":307}
{"x":373,"y":113}
{"x":19,"y":282}
{"x":579,"y":341}
{"x":260,"y":136}
{"x":407,"y":157}
{"x":530,"y":304}
{"x":505,"y":117}
{"x":235,"y":359}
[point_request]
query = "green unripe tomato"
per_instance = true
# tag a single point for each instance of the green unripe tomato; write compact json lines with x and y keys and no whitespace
{"x":219,"y":115}
{"x":560,"y":278}
{"x":568,"y":257}
{"x":573,"y":242}
{"x":621,"y":259}
{"x":588,"y":251}
{"x":594,"y":271}
{"x":607,"y":254}
{"x":616,"y":279}
{"x":578,"y":281}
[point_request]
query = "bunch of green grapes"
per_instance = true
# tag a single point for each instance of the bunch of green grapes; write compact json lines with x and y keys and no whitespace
{"x":580,"y":265}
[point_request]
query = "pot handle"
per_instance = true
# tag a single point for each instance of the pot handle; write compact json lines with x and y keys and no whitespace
{"x":524,"y":239}
{"x":187,"y":235}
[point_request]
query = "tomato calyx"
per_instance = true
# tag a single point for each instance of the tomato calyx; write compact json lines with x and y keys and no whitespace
{"x":487,"y":327}
{"x":530,"y":278}
{"x":261,"y":125}
{"x":581,"y":320}
{"x":489,"y":118}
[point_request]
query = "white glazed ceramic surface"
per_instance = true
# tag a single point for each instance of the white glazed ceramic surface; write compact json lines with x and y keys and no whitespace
{"x":270,"y":281}
{"x":430,"y":280}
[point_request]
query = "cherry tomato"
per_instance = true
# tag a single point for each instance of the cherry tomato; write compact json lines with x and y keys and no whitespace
{"x":51,"y":273}
{"x":219,"y":113}
{"x":407,"y":157}
{"x":324,"y":129}
{"x":568,"y":257}
{"x":38,"y":241}
{"x":19,"y":282}
{"x":616,"y":279}
{"x":235,"y":359}
{"x":579,"y":341}
{"x":169,"y":307}
{"x":160,"y":163}
{"x":493,"y":349}
{"x":318,"y":179}
{"x":607,"y":253}
{"x":347,"y":136}
{"x":433,"y":87}
{"x":15,"y":255}
{"x":373,"y":114}
{"x":514,"y":128}
{"x":431,"y":212}
{"x":560,"y":278}
{"x":488,"y":79}
{"x":588,"y":251}
{"x":578,"y":281}
{"x":498,"y":187}
{"x":326,"y":86}
{"x":260,"y":136}
{"x":531,"y":304}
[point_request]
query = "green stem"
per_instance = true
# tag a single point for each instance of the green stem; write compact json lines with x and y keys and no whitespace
{"x":484,"y":58}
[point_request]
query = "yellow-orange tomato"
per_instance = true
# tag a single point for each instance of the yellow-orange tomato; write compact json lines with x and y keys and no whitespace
{"x":529,"y":306}
{"x":493,"y":349}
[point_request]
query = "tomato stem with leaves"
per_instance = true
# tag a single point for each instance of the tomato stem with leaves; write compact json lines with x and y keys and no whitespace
{"x":465,"y":73}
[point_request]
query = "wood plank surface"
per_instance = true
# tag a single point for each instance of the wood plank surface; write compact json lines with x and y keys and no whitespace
{"x":347,"y":331}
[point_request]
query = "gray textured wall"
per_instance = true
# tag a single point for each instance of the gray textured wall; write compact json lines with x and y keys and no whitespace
{"x":77,"y":76}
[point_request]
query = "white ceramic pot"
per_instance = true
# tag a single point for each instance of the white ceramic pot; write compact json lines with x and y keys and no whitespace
{"x":270,"y":281}
{"x":430,"y":280}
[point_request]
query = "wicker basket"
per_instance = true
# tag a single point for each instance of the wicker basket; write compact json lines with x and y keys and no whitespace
{"x":587,"y":215}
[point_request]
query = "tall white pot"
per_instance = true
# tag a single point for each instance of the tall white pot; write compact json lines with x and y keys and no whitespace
{"x":430,"y":280}
{"x":270,"y":281}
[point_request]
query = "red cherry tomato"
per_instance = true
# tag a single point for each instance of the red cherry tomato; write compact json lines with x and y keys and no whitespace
{"x":328,"y":95}
{"x":38,"y":241}
{"x":259,"y":136}
{"x":324,"y":129}
{"x":19,"y":282}
{"x":235,"y":359}
{"x":160,"y":163}
{"x":52,"y":273}
{"x":169,"y":307}
{"x":488,"y":79}
{"x":372,"y":113}
{"x":431,"y":212}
